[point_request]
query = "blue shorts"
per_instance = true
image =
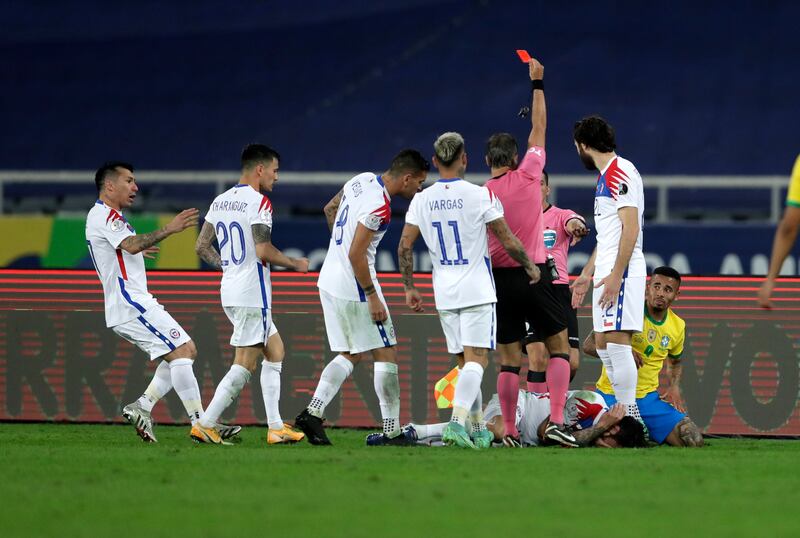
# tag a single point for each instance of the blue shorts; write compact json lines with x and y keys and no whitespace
{"x":659,"y":416}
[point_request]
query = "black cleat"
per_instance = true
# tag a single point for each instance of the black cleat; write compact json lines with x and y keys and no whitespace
{"x":561,"y":435}
{"x":511,"y":441}
{"x":312,"y":427}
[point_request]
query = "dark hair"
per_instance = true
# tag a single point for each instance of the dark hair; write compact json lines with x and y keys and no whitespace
{"x":668,"y":272}
{"x":631,"y":433}
{"x":253,"y":154}
{"x":409,"y":161}
{"x":106,"y":170}
{"x":546,"y":177}
{"x":501,"y":148}
{"x":596,"y":133}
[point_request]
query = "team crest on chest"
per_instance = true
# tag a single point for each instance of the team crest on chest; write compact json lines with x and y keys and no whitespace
{"x":665,"y":341}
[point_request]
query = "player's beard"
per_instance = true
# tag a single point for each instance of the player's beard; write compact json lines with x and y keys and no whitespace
{"x":587,"y":160}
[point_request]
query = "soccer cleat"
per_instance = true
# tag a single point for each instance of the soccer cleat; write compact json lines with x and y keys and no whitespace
{"x":455,"y":434}
{"x":141,"y":420}
{"x":511,"y":441}
{"x":482,"y":438}
{"x":312,"y":427}
{"x":285,"y":435}
{"x":227,"y":431}
{"x":406,"y":437}
{"x":201,"y":434}
{"x":560,"y":434}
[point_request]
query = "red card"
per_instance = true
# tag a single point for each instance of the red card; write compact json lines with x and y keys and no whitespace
{"x":523,"y":55}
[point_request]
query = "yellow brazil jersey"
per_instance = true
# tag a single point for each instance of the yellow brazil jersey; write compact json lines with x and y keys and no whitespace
{"x":658,"y":340}
{"x":793,"y":196}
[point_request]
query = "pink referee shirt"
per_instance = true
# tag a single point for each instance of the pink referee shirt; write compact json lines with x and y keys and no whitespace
{"x":519,"y":191}
{"x":556,"y":238}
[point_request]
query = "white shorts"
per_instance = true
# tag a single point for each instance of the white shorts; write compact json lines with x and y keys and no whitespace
{"x":474,"y":326}
{"x":627,"y":312}
{"x":251,"y":326}
{"x":350,"y":327}
{"x":155,"y":332}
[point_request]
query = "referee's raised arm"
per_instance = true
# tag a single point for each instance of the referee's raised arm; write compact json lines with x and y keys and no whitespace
{"x":538,"y":107}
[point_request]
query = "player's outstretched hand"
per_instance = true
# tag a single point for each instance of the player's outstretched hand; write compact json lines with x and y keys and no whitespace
{"x":637,"y":358}
{"x":765,"y":293}
{"x":673,"y":396}
{"x":535,"y":69}
{"x":150,"y":253}
{"x":534,"y":273}
{"x":579,"y":288}
{"x":578,"y":230}
{"x":611,"y":286}
{"x":376,"y":309}
{"x":414,"y":300}
{"x":301,"y":265}
{"x":185,"y":219}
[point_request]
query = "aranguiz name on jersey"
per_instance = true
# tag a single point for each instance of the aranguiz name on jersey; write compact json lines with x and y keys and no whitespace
{"x":228,"y":205}
{"x":439,"y":205}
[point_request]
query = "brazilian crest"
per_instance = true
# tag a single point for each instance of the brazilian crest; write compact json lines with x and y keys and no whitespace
{"x":665,"y":341}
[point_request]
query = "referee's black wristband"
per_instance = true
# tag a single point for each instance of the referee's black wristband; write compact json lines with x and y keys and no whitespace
{"x":537,"y":84}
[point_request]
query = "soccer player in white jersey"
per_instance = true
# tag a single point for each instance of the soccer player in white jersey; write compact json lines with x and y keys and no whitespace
{"x":241,"y":221}
{"x":118,"y":253}
{"x":357,"y":320}
{"x":452,"y":216}
{"x":617,"y":264}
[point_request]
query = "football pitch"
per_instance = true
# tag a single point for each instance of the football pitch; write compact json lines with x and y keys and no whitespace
{"x":97,"y":480}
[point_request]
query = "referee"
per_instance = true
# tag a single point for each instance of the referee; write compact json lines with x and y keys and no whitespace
{"x":518,"y":185}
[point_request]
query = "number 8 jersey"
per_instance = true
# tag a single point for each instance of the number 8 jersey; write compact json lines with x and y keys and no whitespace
{"x":452,"y":215}
{"x":245,"y":278}
{"x":366,"y":201}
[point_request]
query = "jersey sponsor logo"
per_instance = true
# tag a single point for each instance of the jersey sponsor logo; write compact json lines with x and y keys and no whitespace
{"x":550,"y":237}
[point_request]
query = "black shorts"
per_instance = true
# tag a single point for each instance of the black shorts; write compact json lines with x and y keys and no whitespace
{"x":565,"y":295}
{"x":519,"y":302}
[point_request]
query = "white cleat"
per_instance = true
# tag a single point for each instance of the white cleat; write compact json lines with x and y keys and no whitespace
{"x":141,"y":420}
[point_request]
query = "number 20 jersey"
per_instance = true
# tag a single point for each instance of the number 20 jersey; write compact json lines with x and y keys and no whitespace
{"x":245,"y":278}
{"x":452,"y":215}
{"x":366,"y":201}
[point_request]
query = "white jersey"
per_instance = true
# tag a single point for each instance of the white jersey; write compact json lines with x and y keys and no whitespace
{"x":582,"y":409}
{"x":618,"y":186}
{"x":452,"y":215}
{"x":245,"y":278}
{"x":366,"y":201}
{"x":122,"y":274}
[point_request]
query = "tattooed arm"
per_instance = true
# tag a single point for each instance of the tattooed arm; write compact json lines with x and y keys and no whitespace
{"x":514,"y":247}
{"x":204,"y":246}
{"x":266,"y":251}
{"x":137,"y":243}
{"x":405,"y":255}
{"x":332,"y":207}
{"x":673,"y":393}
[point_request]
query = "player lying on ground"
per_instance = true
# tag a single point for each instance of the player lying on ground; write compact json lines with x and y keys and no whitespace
{"x":452,"y":216}
{"x":357,"y":320}
{"x":589,"y":418}
{"x":662,"y":339}
{"x":118,"y":254}
{"x":241,"y":221}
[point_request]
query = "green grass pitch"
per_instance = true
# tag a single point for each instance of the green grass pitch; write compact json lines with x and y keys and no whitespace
{"x":93,"y":480}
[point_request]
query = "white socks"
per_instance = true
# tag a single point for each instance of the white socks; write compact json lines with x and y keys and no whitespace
{"x":158,"y":387}
{"x":476,"y":413}
{"x":467,"y":390}
{"x":425,"y":431}
{"x":625,"y":377}
{"x":606,"y":360}
{"x":387,"y":387}
{"x":329,"y":384}
{"x":185,"y":384}
{"x":271,"y":391}
{"x":227,"y":391}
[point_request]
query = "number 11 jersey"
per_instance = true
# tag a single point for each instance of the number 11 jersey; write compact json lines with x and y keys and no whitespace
{"x":245,"y":278}
{"x":452,"y":215}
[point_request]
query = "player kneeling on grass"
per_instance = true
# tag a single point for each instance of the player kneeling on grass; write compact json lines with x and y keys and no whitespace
{"x":662,"y":338}
{"x":586,"y":414}
{"x":452,"y":215}
{"x":241,"y":220}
